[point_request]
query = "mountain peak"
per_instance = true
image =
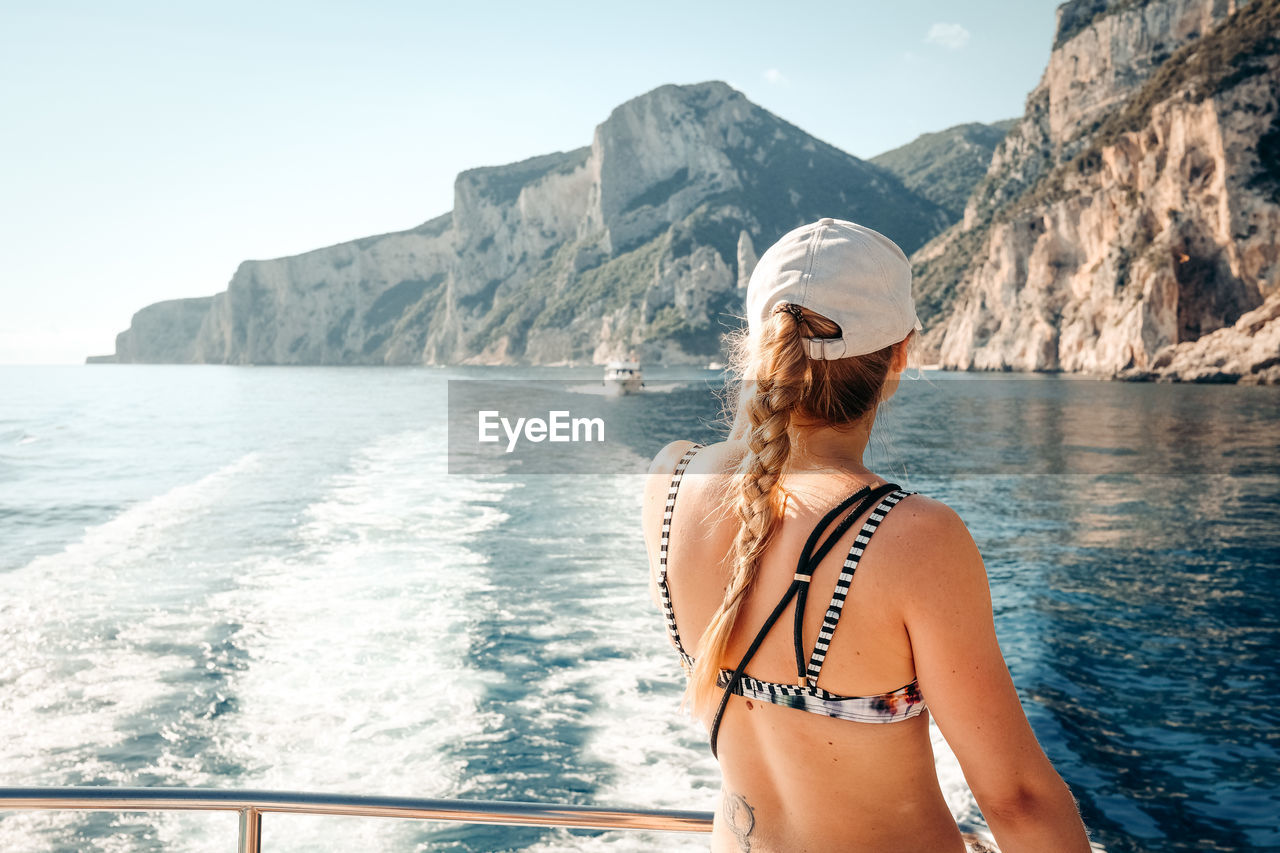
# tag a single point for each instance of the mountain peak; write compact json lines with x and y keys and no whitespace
{"x":706,"y":93}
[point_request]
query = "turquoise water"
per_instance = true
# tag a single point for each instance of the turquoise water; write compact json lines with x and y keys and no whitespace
{"x":267,"y":577}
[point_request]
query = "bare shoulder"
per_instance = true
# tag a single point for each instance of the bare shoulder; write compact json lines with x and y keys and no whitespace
{"x":665,"y":462}
{"x":717,"y":458}
{"x":659,"y":478}
{"x":696,"y":489}
{"x":661,"y":469}
{"x":931,"y":542}
{"x":926,"y":519}
{"x":706,"y":472}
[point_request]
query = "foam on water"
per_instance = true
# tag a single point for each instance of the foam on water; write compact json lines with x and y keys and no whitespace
{"x":359,"y":676}
{"x":142,"y":527}
{"x":623,"y":685}
{"x":340,"y":664}
{"x":74,"y":674}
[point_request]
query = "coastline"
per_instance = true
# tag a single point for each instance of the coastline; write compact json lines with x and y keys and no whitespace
{"x":1266,"y":373}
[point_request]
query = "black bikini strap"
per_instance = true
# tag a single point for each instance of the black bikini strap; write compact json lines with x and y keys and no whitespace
{"x":799,"y":585}
{"x":809,"y":564}
{"x":751,"y":652}
{"x":805,"y":566}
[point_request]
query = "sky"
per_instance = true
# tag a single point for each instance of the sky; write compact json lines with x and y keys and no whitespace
{"x":146,"y":149}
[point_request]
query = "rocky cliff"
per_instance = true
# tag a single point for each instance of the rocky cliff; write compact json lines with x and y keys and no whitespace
{"x":640,"y":242}
{"x":1248,"y":351}
{"x":1133,"y":210}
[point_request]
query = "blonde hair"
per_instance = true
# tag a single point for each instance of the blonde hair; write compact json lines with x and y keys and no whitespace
{"x":778,"y":382}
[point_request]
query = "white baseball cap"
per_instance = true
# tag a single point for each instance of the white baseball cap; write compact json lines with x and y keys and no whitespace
{"x":853,"y":276}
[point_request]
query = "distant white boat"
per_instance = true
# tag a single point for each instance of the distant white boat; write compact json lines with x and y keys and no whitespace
{"x":623,"y":377}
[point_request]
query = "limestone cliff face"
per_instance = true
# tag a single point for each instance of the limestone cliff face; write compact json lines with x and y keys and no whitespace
{"x":345,"y":304}
{"x":338,"y":305}
{"x":1134,"y":207}
{"x":1102,"y":65}
{"x":163,"y":332}
{"x":634,"y":244}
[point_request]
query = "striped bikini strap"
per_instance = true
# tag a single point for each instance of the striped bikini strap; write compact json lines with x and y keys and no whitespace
{"x":664,"y":543}
{"x":832,"y":617}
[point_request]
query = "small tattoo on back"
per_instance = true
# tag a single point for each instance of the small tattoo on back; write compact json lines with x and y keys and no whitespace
{"x":740,"y":818}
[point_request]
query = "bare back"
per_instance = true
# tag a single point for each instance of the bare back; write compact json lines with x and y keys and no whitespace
{"x":795,"y":780}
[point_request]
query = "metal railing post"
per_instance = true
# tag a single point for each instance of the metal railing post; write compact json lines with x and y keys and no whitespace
{"x":250,"y":831}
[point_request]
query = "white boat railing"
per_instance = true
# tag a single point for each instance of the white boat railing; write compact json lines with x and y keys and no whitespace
{"x":252,"y":805}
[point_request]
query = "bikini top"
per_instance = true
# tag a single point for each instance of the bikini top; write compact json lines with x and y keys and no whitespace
{"x":892,"y":707}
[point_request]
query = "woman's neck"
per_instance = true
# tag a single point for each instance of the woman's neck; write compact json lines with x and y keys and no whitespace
{"x":830,"y":447}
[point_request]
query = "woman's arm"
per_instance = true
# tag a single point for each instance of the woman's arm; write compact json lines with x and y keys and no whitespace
{"x":964,"y":680}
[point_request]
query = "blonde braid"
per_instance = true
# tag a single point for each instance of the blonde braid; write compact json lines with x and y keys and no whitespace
{"x":781,"y":378}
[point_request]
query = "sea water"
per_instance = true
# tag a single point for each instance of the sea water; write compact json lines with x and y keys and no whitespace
{"x":269,"y":578}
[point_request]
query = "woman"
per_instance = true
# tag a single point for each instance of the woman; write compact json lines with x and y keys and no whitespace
{"x":822,"y":735}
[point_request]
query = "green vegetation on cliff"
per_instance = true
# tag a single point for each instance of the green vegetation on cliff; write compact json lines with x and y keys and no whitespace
{"x":944,"y":167}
